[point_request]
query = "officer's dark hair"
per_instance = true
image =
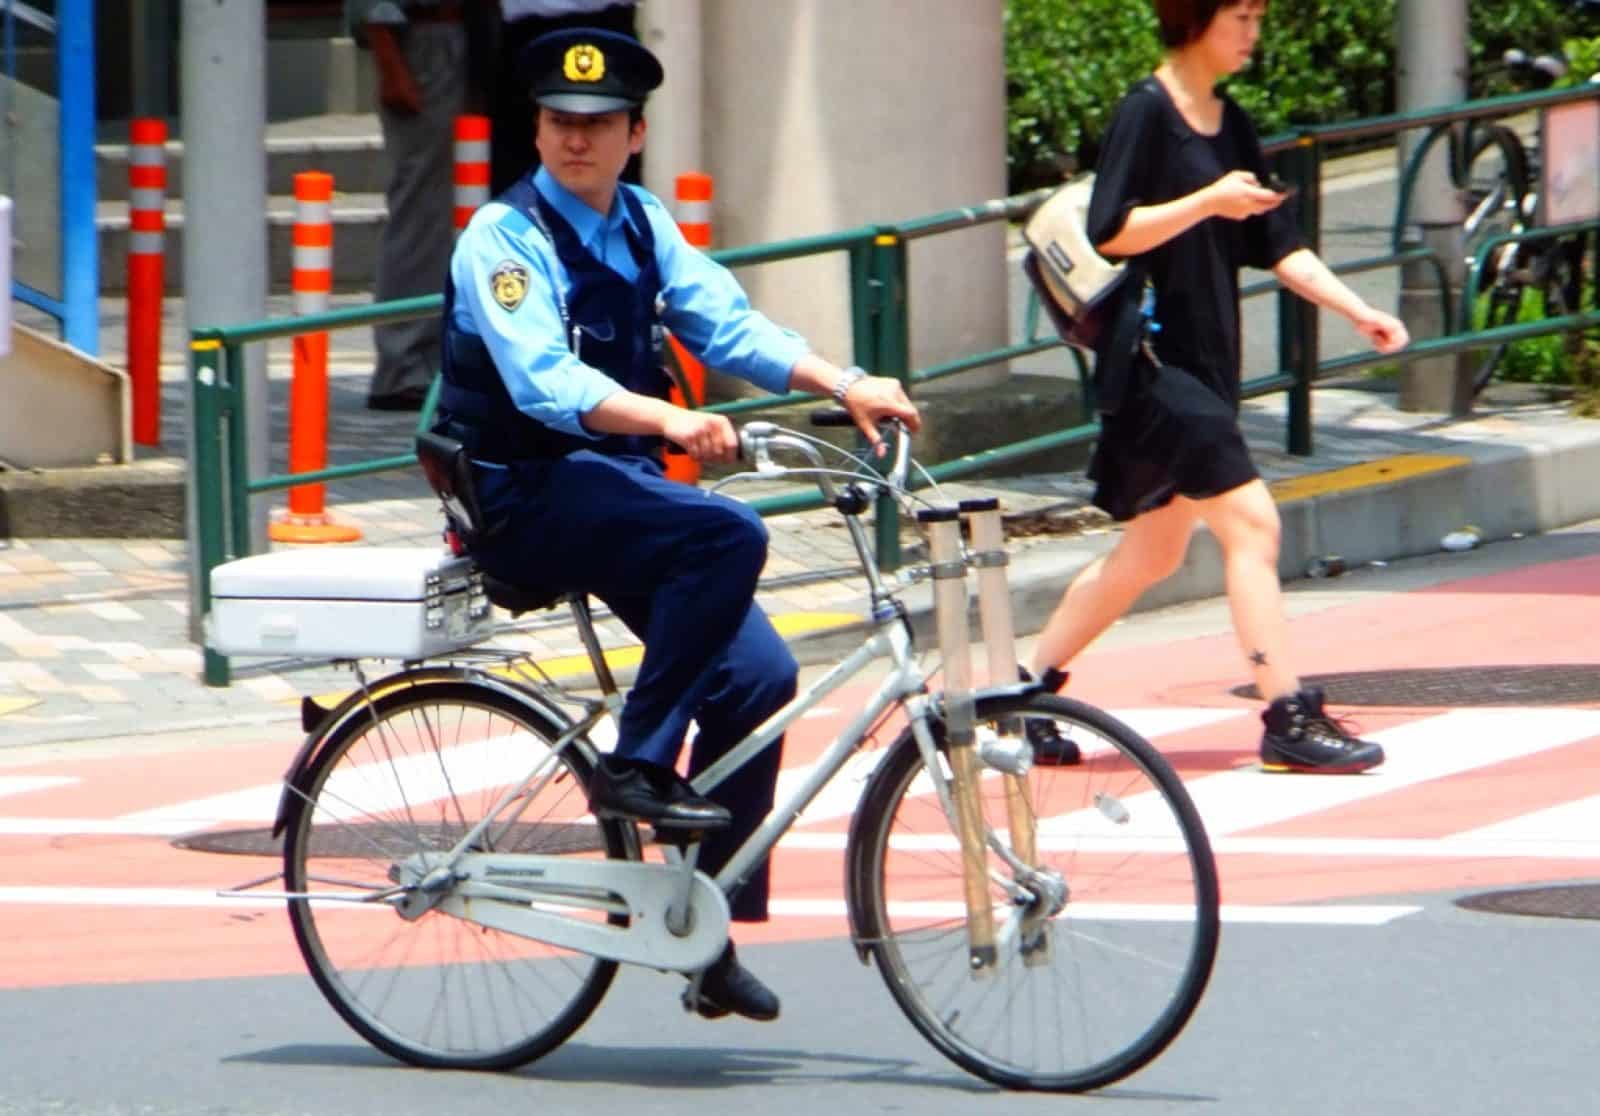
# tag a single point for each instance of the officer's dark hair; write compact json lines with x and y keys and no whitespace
{"x":1184,"y":21}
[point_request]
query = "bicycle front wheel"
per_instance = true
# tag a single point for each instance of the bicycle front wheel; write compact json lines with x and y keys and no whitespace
{"x":1098,"y":967}
{"x":412,"y":773}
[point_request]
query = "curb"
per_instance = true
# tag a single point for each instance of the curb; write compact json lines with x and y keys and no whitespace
{"x":1387,"y":510}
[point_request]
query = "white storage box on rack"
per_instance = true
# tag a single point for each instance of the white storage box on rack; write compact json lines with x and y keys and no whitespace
{"x":364,"y":602}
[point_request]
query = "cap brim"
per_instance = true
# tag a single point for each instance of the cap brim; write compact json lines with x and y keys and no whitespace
{"x":587,"y":104}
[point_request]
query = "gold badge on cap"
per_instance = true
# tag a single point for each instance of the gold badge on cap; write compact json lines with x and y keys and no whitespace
{"x":584,"y":63}
{"x":508,"y":282}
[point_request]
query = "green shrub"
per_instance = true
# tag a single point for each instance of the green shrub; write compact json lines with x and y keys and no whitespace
{"x":1069,"y":61}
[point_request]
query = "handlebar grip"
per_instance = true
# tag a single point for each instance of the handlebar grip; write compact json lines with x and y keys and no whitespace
{"x":832,"y":416}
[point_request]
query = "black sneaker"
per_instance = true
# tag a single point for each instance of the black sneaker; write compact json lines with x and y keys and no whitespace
{"x":1300,"y":736}
{"x":1050,"y":748}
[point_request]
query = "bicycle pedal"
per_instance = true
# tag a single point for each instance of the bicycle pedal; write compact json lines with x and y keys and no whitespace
{"x":679,"y":838}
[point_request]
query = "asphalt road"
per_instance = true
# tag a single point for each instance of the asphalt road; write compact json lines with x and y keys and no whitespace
{"x":1348,"y":979}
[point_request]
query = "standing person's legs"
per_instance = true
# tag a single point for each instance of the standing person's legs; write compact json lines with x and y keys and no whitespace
{"x":1151,"y":548}
{"x":1297,"y":735}
{"x":1246,"y":524}
{"x":418,"y":235}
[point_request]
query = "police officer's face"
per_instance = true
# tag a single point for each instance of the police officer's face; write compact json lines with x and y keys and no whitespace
{"x":586,"y":154}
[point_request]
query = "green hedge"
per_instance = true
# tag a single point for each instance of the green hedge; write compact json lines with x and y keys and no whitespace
{"x":1068,"y":62}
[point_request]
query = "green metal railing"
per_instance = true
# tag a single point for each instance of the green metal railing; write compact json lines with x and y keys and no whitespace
{"x":881,"y":340}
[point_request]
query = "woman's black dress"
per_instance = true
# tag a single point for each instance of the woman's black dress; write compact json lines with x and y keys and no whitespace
{"x":1179,"y":433}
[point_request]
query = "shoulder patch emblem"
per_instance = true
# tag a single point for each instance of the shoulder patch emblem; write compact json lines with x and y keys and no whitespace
{"x":508,"y":282}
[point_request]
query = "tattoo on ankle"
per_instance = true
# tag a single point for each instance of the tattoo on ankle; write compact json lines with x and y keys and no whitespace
{"x":1259,"y":658}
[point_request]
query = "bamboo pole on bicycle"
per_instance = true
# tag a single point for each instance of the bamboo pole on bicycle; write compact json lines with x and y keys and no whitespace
{"x":949,"y":574}
{"x":999,"y":638}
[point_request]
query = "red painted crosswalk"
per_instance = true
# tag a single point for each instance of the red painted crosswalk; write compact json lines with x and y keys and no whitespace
{"x":94,"y":889}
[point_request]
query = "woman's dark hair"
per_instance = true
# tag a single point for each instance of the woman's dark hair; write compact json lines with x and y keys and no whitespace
{"x":1184,"y":21}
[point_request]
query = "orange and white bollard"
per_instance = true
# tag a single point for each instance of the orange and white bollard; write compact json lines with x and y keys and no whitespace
{"x":693,"y":212}
{"x":147,"y":223}
{"x":472,"y":167}
{"x":312,"y":284}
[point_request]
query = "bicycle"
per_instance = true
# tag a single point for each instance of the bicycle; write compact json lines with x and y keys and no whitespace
{"x":1498,"y":178}
{"x":459,"y":907}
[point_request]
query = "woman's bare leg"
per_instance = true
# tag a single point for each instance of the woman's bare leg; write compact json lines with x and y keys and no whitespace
{"x":1246,"y":525}
{"x":1151,"y":548}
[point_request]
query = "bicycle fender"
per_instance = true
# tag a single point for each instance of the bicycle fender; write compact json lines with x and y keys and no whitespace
{"x":320,"y":723}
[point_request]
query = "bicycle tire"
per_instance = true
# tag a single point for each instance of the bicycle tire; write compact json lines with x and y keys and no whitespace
{"x":1561,"y":285}
{"x":1494,"y":185}
{"x":906,"y":900}
{"x":1504,"y":307}
{"x":411,"y":772}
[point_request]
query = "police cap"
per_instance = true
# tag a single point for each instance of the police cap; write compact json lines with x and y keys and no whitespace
{"x":589,"y":71}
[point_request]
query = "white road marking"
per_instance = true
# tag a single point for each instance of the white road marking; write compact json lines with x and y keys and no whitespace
{"x":1323,"y":914}
{"x":1417,"y":751}
{"x":23,"y":784}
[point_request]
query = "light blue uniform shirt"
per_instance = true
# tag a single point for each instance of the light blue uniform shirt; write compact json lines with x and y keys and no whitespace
{"x":704,"y":306}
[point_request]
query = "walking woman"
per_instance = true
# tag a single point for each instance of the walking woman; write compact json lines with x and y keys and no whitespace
{"x":1180,"y":191}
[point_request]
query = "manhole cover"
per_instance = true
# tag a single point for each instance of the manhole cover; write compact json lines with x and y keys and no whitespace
{"x":1568,"y":901}
{"x":374,"y":839}
{"x":1562,"y":684}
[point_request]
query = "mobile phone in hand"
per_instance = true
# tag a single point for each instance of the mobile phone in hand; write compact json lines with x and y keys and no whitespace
{"x":1279,"y":186}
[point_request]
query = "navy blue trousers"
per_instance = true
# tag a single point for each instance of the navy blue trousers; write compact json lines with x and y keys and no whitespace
{"x":679,"y":567}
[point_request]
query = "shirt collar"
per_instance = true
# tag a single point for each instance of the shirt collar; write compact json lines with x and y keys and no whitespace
{"x":589,"y":225}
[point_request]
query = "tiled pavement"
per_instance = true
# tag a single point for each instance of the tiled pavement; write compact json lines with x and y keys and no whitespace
{"x":94,"y":634}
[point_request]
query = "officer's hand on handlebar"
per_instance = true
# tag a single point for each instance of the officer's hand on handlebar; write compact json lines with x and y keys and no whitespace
{"x":704,"y":437}
{"x":872,"y":399}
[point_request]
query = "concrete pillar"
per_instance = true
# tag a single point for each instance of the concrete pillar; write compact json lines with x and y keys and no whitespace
{"x":820,"y":116}
{"x":672,"y":29}
{"x":1432,"y":72}
{"x":224,"y":99}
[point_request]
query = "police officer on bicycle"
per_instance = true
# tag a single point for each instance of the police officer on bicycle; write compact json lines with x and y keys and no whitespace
{"x":558,"y":293}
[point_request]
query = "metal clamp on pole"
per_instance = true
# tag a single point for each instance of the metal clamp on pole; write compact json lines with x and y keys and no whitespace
{"x":950,"y":610}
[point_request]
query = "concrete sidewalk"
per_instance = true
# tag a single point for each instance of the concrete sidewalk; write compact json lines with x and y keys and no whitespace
{"x":93,"y":633}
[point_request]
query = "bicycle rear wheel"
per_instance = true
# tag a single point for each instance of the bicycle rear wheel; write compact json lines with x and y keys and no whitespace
{"x":413,"y":772}
{"x":1503,"y":308}
{"x":1087,"y":994}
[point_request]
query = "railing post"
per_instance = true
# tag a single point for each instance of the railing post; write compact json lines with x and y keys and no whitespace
{"x":238,"y":493}
{"x":893,"y":354}
{"x":208,"y":478}
{"x":1299,"y":347}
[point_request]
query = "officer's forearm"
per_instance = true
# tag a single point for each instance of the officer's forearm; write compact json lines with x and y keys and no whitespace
{"x":812,"y":373}
{"x":624,"y":412}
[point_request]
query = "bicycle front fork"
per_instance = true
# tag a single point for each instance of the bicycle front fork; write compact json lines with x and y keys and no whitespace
{"x":949,"y":569}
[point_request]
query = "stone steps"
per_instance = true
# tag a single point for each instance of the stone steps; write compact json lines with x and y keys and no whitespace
{"x":349,"y":147}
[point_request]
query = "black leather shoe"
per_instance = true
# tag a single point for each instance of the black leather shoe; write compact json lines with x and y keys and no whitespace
{"x":1050,"y":747}
{"x":634,"y":789}
{"x":729,"y":986}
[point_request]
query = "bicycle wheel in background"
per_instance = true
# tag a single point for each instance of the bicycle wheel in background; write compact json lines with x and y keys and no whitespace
{"x":413,"y":772}
{"x":1494,"y":185}
{"x":1123,"y":963}
{"x":1562,"y":285}
{"x":1503,"y":307}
